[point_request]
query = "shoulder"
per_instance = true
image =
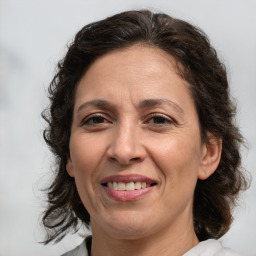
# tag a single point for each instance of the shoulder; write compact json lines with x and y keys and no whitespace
{"x":210,"y":247}
{"x":80,"y":250}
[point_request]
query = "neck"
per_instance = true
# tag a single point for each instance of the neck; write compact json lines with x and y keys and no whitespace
{"x":173,"y":241}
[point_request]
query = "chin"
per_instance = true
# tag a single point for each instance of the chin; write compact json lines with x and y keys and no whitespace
{"x":128,"y":232}
{"x":128,"y":226}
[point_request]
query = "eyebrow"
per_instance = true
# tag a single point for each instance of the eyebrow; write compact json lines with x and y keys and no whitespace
{"x":144,"y":104}
{"x":96,"y":103}
{"x":154,"y":102}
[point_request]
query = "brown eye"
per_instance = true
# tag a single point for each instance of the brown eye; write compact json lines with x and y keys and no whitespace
{"x":159,"y":120}
{"x":94,"y":120}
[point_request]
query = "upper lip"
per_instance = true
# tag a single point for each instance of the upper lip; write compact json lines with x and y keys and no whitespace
{"x":128,"y":178}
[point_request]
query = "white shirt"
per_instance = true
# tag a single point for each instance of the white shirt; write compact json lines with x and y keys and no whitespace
{"x":209,"y":247}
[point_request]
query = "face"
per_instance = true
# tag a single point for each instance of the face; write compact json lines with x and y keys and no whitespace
{"x":135,"y":146}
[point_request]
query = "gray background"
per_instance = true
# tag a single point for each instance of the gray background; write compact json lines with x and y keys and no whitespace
{"x":33,"y":37}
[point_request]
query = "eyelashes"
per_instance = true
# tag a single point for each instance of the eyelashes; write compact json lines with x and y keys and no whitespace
{"x":159,"y":119}
{"x":94,"y":119}
{"x":100,"y":120}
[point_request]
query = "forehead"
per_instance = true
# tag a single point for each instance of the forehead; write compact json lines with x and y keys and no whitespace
{"x":151,"y":60}
{"x":137,"y":72}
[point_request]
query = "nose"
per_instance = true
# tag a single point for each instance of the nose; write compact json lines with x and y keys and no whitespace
{"x":126,"y":147}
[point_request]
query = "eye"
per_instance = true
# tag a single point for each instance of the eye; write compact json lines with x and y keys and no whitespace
{"x":94,"y":120}
{"x":159,"y":119}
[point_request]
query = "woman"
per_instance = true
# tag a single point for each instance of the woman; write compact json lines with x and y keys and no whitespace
{"x":147,"y":152}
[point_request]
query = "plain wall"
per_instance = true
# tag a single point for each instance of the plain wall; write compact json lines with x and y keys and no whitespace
{"x":33,"y":37}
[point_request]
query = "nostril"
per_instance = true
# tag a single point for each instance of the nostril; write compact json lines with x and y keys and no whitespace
{"x":135,"y":159}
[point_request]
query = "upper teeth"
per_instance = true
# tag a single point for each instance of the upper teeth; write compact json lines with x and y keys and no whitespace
{"x":127,"y":186}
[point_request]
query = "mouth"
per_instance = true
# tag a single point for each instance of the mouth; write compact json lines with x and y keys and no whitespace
{"x":128,"y":187}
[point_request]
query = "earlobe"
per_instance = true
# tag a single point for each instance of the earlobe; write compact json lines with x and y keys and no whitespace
{"x":210,"y":157}
{"x":69,"y":168}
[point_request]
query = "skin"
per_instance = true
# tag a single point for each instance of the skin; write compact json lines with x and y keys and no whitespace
{"x":159,"y":141}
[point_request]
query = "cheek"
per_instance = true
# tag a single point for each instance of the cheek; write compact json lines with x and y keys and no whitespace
{"x":86,"y":154}
{"x":177,"y":158}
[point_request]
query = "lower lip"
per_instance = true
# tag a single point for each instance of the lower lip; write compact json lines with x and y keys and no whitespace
{"x":124,"y":196}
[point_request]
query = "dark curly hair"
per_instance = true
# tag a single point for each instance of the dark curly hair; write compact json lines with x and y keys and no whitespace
{"x":198,"y":64}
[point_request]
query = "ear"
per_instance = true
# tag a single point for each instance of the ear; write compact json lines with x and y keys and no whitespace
{"x":210,"y":160}
{"x":69,"y":168}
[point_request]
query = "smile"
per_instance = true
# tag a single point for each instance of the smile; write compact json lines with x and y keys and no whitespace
{"x":127,"y":187}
